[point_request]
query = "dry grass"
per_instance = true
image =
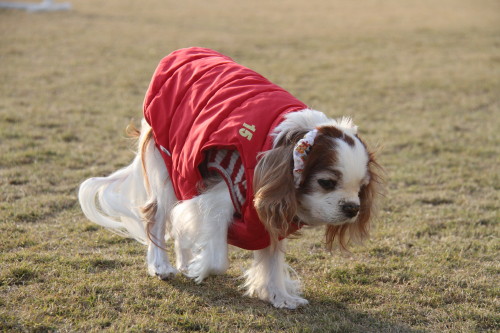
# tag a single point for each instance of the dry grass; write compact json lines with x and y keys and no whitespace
{"x":421,"y":78}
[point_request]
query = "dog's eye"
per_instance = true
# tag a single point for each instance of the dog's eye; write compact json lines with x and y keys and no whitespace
{"x":327,"y":184}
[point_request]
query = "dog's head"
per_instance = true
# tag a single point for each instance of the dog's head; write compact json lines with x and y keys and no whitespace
{"x":320,"y":176}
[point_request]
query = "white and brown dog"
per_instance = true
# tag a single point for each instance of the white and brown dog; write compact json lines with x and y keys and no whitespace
{"x":227,"y":157}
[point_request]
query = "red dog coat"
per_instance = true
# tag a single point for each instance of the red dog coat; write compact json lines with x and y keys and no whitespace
{"x":200,"y":101}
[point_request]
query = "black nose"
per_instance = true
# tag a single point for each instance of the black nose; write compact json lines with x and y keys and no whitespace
{"x":350,"y":209}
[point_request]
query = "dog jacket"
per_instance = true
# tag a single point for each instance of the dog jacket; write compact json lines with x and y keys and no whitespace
{"x":206,"y":110}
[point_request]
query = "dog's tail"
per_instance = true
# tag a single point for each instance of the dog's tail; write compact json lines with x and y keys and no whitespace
{"x":115,"y":201}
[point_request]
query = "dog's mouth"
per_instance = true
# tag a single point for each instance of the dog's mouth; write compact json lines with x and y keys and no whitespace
{"x":352,"y":220}
{"x":340,"y":220}
{"x":306,"y":217}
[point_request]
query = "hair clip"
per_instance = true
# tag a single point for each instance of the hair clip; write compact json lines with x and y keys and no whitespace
{"x":300,"y":152}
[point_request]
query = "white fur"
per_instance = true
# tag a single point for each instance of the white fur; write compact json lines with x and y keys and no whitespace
{"x":308,"y":119}
{"x":199,"y":226}
{"x":269,"y":279}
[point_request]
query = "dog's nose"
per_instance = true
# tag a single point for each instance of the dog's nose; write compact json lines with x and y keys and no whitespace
{"x":350,"y":209}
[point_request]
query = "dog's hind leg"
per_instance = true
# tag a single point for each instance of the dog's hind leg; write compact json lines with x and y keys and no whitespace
{"x":157,"y":259}
{"x":201,"y":224}
{"x":156,"y":211}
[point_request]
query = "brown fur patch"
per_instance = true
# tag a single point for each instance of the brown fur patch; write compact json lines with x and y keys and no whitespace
{"x":132,"y":131}
{"x":148,"y":214}
{"x":321,"y":157}
{"x":275,"y":194}
{"x":143,"y":148}
{"x":336,"y":133}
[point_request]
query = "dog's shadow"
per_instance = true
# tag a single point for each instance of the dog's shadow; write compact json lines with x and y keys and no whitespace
{"x":225,"y":291}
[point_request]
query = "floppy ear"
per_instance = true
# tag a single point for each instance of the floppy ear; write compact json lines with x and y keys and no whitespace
{"x":367,"y":195}
{"x":275,"y":193}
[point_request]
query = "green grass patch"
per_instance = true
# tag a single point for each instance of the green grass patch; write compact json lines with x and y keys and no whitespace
{"x":19,"y":276}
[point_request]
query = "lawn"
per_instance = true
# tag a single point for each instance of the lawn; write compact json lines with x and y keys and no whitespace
{"x":420,"y":78}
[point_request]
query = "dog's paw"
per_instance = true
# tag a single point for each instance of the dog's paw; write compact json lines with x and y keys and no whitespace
{"x":184,"y":269}
{"x":200,"y":267}
{"x":162,"y":271}
{"x":287,"y":302}
{"x":183,"y":258}
{"x":198,"y":270}
{"x":278,"y":297}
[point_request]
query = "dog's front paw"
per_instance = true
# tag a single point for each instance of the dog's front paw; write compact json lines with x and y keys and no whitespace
{"x":278,"y":297}
{"x":286,"y":302}
{"x":162,"y":271}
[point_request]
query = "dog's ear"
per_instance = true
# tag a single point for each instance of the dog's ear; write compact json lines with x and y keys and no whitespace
{"x":367,"y":195}
{"x":275,"y":193}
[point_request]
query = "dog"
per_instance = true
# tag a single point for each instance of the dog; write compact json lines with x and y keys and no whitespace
{"x":225,"y":157}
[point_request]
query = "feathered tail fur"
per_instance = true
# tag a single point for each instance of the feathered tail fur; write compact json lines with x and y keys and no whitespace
{"x":115,"y":201}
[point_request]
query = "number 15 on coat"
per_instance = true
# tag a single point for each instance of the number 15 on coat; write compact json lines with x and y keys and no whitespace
{"x":247,"y":131}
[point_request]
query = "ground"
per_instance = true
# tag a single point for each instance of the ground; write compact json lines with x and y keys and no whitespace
{"x":420,"y":78}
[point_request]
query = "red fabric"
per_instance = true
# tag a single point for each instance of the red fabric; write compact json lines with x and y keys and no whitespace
{"x":199,"y":100}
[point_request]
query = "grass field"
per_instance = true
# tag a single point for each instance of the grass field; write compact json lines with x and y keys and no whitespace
{"x":420,"y":78}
